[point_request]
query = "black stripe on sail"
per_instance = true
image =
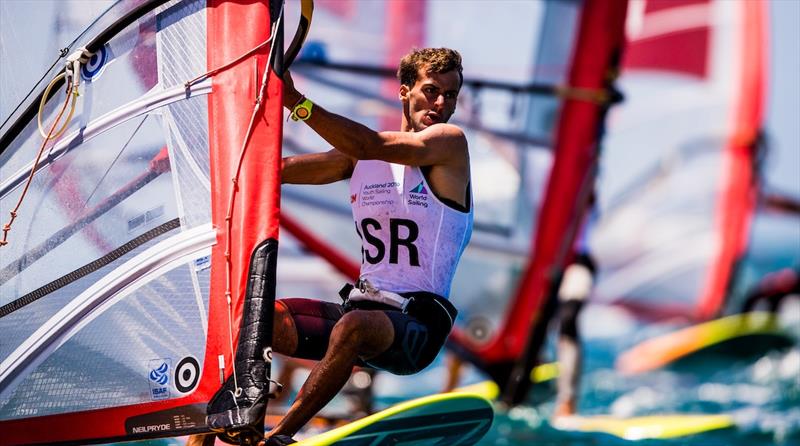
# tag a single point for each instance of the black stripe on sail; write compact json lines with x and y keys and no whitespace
{"x":88,"y":268}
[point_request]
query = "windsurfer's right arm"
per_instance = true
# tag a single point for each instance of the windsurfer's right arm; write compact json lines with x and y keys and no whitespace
{"x":317,"y":168}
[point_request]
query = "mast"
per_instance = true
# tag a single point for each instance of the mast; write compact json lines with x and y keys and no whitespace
{"x":595,"y":59}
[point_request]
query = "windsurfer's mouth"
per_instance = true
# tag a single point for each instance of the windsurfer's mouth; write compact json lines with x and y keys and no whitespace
{"x":432,"y":118}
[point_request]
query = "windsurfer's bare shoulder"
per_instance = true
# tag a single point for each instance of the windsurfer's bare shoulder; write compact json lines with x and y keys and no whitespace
{"x":449,"y":177}
{"x":449,"y":139}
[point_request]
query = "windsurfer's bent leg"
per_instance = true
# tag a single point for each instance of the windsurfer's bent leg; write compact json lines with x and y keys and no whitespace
{"x":284,"y":330}
{"x":357,"y":334}
{"x":569,"y":360}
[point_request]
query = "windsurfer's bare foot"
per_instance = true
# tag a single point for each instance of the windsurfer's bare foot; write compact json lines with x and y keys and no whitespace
{"x":564,"y":409}
{"x":201,"y":440}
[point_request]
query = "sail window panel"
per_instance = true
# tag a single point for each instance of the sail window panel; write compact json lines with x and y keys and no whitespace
{"x":186,"y":124}
{"x":483,"y":283}
{"x":658,"y":234}
{"x":161,"y":320}
{"x":33,"y":37}
{"x":127,"y":67}
{"x":119,"y":73}
{"x":181,"y":55}
{"x":97,"y":197}
{"x":181,"y":42}
{"x":20,"y":324}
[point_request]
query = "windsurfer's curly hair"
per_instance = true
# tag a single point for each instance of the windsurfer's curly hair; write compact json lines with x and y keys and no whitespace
{"x":433,"y":60}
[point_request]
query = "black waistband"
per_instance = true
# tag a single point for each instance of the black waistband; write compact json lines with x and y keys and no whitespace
{"x":422,"y":304}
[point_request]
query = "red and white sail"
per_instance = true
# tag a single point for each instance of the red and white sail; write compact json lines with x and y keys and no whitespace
{"x":678,"y":170}
{"x":120,"y":314}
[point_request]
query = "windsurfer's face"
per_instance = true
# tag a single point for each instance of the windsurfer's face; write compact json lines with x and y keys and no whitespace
{"x":432,"y":99}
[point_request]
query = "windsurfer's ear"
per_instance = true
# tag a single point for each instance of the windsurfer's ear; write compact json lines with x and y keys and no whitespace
{"x":404,"y":92}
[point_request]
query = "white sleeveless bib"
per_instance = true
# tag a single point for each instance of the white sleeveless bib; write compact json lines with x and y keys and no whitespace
{"x":410,"y":240}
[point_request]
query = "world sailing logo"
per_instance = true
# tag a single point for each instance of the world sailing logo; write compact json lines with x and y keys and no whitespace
{"x":418,"y":196}
{"x":159,"y":378}
{"x":420,"y":189}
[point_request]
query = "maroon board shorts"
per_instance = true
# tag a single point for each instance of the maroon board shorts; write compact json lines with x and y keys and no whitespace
{"x":417,"y":340}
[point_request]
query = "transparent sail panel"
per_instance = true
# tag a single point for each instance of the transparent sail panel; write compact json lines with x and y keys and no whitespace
{"x":33,"y":38}
{"x":95,"y":271}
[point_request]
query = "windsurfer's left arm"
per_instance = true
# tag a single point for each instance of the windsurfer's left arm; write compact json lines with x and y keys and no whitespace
{"x":316,"y":168}
{"x":439,"y":144}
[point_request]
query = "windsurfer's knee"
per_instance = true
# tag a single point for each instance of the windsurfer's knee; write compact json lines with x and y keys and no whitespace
{"x":284,"y":331}
{"x":362,"y":331}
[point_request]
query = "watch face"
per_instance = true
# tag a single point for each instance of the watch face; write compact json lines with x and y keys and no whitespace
{"x":301,"y":113}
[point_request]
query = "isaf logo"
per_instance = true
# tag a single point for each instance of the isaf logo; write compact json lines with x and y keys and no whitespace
{"x":158,"y":377}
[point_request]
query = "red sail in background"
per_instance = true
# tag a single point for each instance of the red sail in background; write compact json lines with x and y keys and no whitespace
{"x":681,"y":157}
{"x":600,"y":38}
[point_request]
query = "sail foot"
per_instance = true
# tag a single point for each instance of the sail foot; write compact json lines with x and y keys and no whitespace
{"x":240,"y":419}
{"x":237,"y":410}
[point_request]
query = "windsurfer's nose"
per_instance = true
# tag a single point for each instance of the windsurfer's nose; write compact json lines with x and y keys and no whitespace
{"x":439,"y":102}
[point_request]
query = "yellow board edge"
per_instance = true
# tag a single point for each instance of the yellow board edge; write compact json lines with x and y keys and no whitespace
{"x":342,"y":432}
{"x":652,"y":427}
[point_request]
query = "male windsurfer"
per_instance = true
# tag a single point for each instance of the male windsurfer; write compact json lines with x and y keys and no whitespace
{"x":411,"y":201}
{"x":410,"y":194}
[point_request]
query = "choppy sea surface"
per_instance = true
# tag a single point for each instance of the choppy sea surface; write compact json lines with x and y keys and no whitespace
{"x":760,"y":392}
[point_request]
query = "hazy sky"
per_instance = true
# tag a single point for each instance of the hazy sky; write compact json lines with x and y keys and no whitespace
{"x":783,"y":106}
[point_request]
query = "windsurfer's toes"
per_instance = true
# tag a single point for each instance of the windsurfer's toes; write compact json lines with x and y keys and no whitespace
{"x":279,"y":440}
{"x":564,"y":409}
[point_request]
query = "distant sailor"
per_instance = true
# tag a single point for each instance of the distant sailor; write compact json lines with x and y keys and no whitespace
{"x":576,"y":286}
{"x":411,"y":201}
{"x":774,"y":289}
